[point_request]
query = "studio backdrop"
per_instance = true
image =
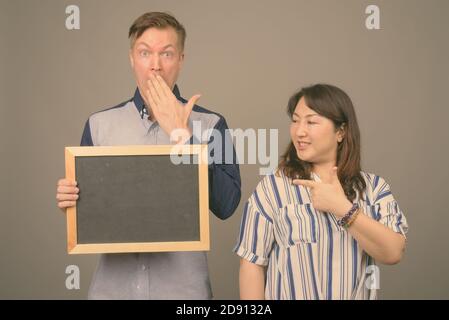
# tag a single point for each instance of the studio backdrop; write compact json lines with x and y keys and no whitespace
{"x":246,"y":58}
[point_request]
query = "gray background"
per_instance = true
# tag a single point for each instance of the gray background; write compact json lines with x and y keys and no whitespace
{"x":246,"y":58}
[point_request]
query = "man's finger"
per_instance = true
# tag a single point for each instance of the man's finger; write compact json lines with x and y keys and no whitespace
{"x":304,"y":183}
{"x":152,"y":92}
{"x":67,"y":182}
{"x":67,"y":189}
{"x":164,"y":87}
{"x":65,"y":197}
{"x":192,"y":101}
{"x":66,"y":204}
{"x":158,"y":86}
{"x":153,"y":105}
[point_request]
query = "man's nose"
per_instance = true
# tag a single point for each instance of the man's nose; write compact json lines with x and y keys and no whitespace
{"x":155,"y":63}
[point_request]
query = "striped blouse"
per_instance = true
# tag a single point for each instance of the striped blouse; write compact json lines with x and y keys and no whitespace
{"x":307,"y":254}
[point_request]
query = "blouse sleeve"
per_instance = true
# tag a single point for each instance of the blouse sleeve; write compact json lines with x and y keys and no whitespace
{"x":387,"y":209}
{"x":255,"y":240}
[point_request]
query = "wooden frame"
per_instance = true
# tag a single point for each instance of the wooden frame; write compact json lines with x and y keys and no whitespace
{"x":203,"y":244}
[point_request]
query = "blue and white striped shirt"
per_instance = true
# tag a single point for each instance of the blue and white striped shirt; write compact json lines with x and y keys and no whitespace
{"x":307,"y":254}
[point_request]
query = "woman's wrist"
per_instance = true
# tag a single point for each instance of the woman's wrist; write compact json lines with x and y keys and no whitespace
{"x":343,"y":209}
{"x":349,"y":217}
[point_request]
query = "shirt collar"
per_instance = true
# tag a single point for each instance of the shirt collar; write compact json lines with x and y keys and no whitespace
{"x":140,"y":103}
{"x":315,"y":177}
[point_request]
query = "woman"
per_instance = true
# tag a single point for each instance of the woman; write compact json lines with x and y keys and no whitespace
{"x":318,"y":226}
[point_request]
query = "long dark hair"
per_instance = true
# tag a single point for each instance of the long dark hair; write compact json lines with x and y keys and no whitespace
{"x":333,"y":103}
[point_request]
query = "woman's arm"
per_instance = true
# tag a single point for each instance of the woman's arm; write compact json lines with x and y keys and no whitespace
{"x":252,"y":281}
{"x":380,"y":242}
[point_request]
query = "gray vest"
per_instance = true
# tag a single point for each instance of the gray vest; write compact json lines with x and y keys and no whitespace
{"x":172,"y":275}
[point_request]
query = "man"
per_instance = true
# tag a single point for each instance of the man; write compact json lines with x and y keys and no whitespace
{"x":157,"y":114}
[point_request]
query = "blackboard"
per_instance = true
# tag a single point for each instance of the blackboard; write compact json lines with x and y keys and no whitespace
{"x":136,"y":199}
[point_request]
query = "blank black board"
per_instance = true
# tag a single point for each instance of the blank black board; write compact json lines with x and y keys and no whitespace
{"x":143,"y":198}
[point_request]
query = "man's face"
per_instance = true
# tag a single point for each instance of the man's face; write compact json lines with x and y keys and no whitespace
{"x":156,"y":51}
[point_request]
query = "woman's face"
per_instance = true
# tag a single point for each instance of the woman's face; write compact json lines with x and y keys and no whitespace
{"x":314,"y":136}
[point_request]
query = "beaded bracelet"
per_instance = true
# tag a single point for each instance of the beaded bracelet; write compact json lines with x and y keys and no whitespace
{"x":343,"y":222}
{"x":352,"y":219}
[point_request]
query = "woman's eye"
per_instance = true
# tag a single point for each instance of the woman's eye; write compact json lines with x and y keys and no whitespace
{"x":144,"y":53}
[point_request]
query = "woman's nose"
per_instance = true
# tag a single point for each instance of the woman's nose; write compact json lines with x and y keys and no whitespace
{"x":300,"y":131}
